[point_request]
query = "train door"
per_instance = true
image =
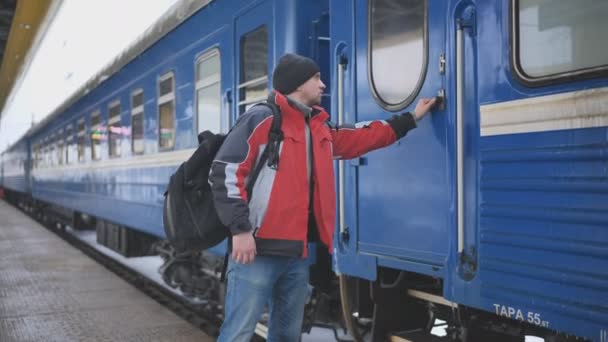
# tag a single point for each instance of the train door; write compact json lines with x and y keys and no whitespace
{"x":212,"y":81}
{"x":320,"y":46}
{"x":253,"y":64}
{"x":396,"y":205}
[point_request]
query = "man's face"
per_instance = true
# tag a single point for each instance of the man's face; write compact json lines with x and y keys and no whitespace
{"x":312,"y":90}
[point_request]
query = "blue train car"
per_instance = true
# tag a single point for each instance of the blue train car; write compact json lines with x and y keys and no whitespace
{"x":503,"y":195}
{"x":109,"y":150}
{"x":15,"y":170}
{"x":491,"y":215}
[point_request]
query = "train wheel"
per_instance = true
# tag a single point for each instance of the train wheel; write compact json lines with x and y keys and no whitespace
{"x":347,"y":311}
{"x":394,"y":310}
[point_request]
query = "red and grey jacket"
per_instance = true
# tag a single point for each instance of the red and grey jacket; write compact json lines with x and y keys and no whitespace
{"x":279,"y":210}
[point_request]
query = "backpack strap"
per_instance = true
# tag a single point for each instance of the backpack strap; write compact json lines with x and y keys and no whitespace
{"x":275,"y":135}
{"x":271,"y":151}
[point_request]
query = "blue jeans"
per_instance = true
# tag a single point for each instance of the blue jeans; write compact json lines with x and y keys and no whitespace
{"x":279,"y":282}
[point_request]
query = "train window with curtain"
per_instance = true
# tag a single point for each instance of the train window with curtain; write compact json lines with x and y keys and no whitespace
{"x":397,"y":50}
{"x":137,"y":121}
{"x":166,"y":111}
{"x":560,"y":38}
{"x":69,"y":148}
{"x":208,"y":97}
{"x":253,"y":87}
{"x":80,"y":140}
{"x":97,"y":135}
{"x":60,"y":147}
{"x":114,"y":129}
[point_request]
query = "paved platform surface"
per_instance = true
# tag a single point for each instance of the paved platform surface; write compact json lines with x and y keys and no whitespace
{"x":50,"y":291}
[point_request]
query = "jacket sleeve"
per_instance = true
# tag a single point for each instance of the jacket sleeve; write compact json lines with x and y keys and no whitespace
{"x":232,"y":165}
{"x":351,"y":141}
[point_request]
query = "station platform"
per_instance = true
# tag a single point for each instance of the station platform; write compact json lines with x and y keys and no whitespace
{"x":50,"y":291}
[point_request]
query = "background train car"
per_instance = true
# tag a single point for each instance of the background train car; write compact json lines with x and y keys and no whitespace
{"x":497,"y":206}
{"x":15,"y":172}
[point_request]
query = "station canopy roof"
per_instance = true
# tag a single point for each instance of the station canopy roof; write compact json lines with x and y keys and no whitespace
{"x":20,"y":23}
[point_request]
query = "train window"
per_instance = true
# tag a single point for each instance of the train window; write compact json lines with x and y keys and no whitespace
{"x":559,"y":39}
{"x":34,"y":156}
{"x":45,"y":153}
{"x":60,"y":147}
{"x":69,"y":149}
{"x":37,"y":156}
{"x":208,"y":92}
{"x":39,"y":163}
{"x":165,"y":86}
{"x":80,"y":140}
{"x":52,"y":142}
{"x":114,"y":129}
{"x":166,"y":111}
{"x":137,"y":122}
{"x":97,"y":135}
{"x":253,"y":85}
{"x":397,"y":50}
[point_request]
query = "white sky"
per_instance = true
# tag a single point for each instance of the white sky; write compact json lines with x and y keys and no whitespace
{"x":84,"y":37}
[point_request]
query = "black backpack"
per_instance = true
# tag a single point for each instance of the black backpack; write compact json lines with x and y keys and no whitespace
{"x":189,"y":216}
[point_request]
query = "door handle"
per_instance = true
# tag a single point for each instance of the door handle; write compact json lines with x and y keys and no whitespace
{"x":439,"y":100}
{"x":466,"y":22}
{"x":342,"y":62}
{"x":459,"y":142}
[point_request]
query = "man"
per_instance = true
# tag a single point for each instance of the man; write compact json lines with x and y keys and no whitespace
{"x":290,"y":204}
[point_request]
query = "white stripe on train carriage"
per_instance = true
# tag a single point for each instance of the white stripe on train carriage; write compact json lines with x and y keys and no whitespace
{"x":577,"y":109}
{"x":162,"y":159}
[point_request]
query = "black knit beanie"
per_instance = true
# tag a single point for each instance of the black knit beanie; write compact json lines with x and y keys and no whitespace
{"x":293,"y":71}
